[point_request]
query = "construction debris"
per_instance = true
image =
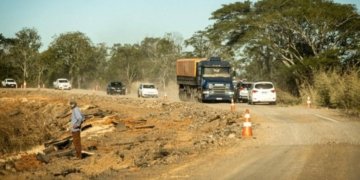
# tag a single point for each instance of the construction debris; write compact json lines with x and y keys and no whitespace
{"x":116,"y":134}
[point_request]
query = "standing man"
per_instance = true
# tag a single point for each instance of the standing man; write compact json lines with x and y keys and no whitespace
{"x":76,"y":120}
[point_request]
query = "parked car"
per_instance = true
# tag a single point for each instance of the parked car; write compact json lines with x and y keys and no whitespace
{"x":148,"y":90}
{"x":62,"y":83}
{"x":116,"y":87}
{"x":8,"y":82}
{"x":241,"y":91}
{"x":262,"y":92}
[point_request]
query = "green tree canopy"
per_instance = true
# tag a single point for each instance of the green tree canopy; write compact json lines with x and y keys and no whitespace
{"x":271,"y":36}
{"x":73,"y":54}
{"x":25,"y":50}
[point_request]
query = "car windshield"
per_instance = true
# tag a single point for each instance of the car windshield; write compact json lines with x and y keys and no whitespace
{"x":216,"y":72}
{"x":116,"y":84}
{"x":244,"y":85}
{"x":149,"y":86}
{"x":10,"y":80}
{"x":264,"y":86}
{"x":63,"y":81}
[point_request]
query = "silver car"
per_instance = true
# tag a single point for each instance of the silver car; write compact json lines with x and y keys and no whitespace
{"x":242,"y":93}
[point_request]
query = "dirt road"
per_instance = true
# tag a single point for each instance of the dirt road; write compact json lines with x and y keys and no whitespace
{"x":291,"y":143}
{"x":136,"y":138}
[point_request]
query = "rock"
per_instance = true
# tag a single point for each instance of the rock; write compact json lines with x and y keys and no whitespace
{"x":14,"y":113}
{"x":232,"y":135}
{"x":43,"y":158}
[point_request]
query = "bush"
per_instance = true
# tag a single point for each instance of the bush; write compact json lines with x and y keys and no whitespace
{"x":336,"y":90}
{"x":286,"y":98}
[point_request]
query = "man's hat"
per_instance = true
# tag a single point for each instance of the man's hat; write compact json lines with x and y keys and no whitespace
{"x":72,"y":102}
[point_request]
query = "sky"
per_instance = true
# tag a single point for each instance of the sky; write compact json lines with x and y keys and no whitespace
{"x":111,"y":21}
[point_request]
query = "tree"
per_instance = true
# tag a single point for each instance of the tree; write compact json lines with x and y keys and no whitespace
{"x":25,"y":50}
{"x":162,"y":53}
{"x":201,"y":44}
{"x":125,"y":63}
{"x":99,"y":64}
{"x":299,"y":35}
{"x":42,"y":64}
{"x":6,"y":65}
{"x":73,"y":54}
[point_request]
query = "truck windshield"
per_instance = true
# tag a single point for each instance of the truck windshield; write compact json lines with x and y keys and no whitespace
{"x":63,"y":81}
{"x":216,"y":72}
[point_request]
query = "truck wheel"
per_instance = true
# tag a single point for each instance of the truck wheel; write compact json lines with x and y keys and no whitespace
{"x":182,"y":95}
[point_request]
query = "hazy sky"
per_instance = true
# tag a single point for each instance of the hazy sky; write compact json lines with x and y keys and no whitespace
{"x":110,"y":21}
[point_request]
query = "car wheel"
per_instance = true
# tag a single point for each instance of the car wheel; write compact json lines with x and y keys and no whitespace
{"x":251,"y":102}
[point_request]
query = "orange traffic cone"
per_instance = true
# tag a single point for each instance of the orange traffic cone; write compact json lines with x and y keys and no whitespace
{"x":246,"y":129}
{"x":247,"y":126}
{"x":247,"y":115}
{"x":232,"y":106}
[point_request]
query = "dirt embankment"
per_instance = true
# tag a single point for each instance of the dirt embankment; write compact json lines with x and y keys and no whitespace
{"x":124,"y":136}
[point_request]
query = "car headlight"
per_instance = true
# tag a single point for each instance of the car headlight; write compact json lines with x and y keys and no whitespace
{"x":206,"y":92}
{"x":230,"y":93}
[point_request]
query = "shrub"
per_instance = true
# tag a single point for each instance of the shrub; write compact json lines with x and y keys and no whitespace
{"x":286,"y":98}
{"x":336,"y":90}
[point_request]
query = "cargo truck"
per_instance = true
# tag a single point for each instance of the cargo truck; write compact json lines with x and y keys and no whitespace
{"x":204,"y":79}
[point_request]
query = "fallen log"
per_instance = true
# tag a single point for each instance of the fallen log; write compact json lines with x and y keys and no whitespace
{"x":122,"y":144}
{"x":67,"y":172}
{"x":140,"y":121}
{"x":68,"y":152}
{"x":144,"y":127}
{"x":86,"y":127}
{"x":85,"y":154}
{"x":60,"y":144}
{"x":49,"y":149}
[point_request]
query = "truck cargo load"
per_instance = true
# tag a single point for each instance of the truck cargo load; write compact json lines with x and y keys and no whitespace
{"x":187,"y":67}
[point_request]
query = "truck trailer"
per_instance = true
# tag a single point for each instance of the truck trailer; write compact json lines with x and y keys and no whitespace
{"x":204,"y":79}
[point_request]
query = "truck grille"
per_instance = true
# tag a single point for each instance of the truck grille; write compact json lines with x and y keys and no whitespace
{"x":219,"y":90}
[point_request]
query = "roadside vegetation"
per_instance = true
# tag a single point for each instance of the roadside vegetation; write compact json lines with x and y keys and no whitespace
{"x":307,"y":48}
{"x":337,"y":90}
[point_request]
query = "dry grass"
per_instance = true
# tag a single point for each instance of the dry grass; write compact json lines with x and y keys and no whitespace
{"x":286,"y":98}
{"x":24,"y":123}
{"x":336,"y":90}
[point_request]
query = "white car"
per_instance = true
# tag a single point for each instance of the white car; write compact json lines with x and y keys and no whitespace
{"x":8,"y":82}
{"x":262,"y":92}
{"x":62,"y":83}
{"x":148,"y":90}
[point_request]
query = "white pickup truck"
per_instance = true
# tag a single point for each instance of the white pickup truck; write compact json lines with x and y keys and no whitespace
{"x":62,"y":83}
{"x":8,"y":82}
